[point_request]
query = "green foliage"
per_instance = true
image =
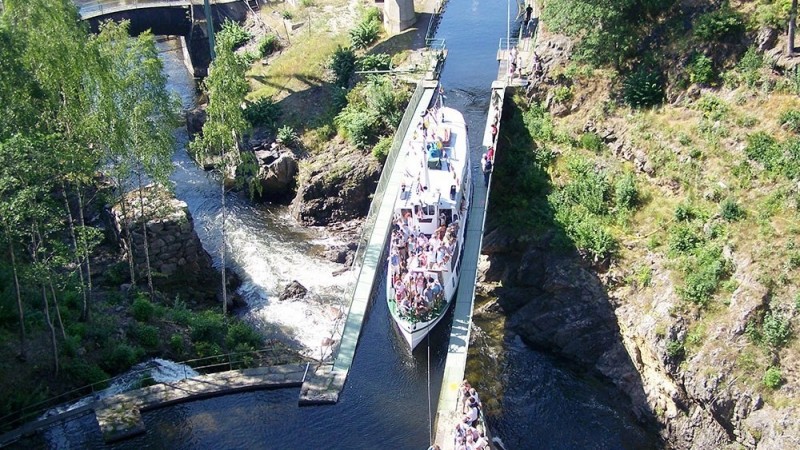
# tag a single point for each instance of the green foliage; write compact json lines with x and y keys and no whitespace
{"x":116,"y":274}
{"x":119,"y":357}
{"x":724,"y":24}
{"x":374,"y":109}
{"x":176,"y":344}
{"x":287,"y":15}
{"x":683,"y":238}
{"x":773,"y":378}
{"x":236,"y":33}
{"x":644,"y":87}
{"x":263,"y":112}
{"x":240,"y":333}
{"x":772,"y":14}
{"x":626,"y":195}
{"x":207,"y":326}
{"x":749,"y":67}
{"x":591,"y":141}
{"x":142,"y":309}
{"x":701,"y":69}
{"x":562,"y":94}
{"x":342,"y":64}
{"x":763,"y":148}
{"x":539,"y":123}
{"x":382,"y":148}
{"x":268,"y":45}
{"x":731,"y":211}
{"x":376,"y":61}
{"x":287,"y":135}
{"x":82,"y":373}
{"x":366,"y":32}
{"x":147,"y":336}
{"x":776,"y":330}
{"x":703,"y":271}
{"x":179,"y":313}
{"x":713,"y":107}
{"x":790,"y":119}
{"x":675,"y":349}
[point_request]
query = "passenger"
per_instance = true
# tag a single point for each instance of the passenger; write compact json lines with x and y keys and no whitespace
{"x":490,"y":154}
{"x":473,"y":395}
{"x":472,"y":413}
{"x":394,"y":262}
{"x":463,"y":394}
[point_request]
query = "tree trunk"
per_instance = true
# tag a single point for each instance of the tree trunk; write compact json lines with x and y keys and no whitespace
{"x":58,"y":310}
{"x":792,"y":26}
{"x":146,"y":244}
{"x":23,"y":351}
{"x":86,"y":315}
{"x":127,"y":229}
{"x":75,"y":249}
{"x":53,"y":341}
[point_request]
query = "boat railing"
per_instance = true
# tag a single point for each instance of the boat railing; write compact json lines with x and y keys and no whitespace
{"x":378,"y":197}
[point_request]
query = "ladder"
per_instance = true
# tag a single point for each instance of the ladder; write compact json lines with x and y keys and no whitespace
{"x":254,"y":4}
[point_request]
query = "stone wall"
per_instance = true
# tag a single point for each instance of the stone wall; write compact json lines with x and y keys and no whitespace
{"x":177,"y":257}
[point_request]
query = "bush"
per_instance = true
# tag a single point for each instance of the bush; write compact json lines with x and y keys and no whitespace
{"x":675,"y":349}
{"x":684,"y":212}
{"x":142,"y":309}
{"x":773,"y":378}
{"x":207,"y":326}
{"x":791,"y":120}
{"x":539,"y":123}
{"x":682,"y":239}
{"x":382,"y":148}
{"x":701,"y":69}
{"x":749,"y":67}
{"x":713,"y":108}
{"x":591,"y":141}
{"x":730,"y":210}
{"x":147,"y":336}
{"x":776,"y":330}
{"x":626,"y":196}
{"x":82,"y":373}
{"x":342,"y":64}
{"x":720,"y":25}
{"x":364,"y":34}
{"x":562,"y":94}
{"x":287,"y":135}
{"x":239,"y":333}
{"x":117,"y":274}
{"x":179,"y":313}
{"x":120,"y":357}
{"x":268,"y":45}
{"x":263,"y":112}
{"x":703,"y":273}
{"x":764,"y":148}
{"x":236,"y":33}
{"x":643,"y":88}
{"x":176,"y":344}
{"x":377,"y":61}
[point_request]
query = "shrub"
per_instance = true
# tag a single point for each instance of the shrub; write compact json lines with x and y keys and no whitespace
{"x":364,"y":34}
{"x":562,"y":94}
{"x":703,"y":273}
{"x":626,"y":196}
{"x":682,"y":239}
{"x":791,"y":120}
{"x":268,"y":45}
{"x":287,"y":15}
{"x":117,"y":274}
{"x":382,"y":148}
{"x":357,"y":126}
{"x":239,"y":333}
{"x":207,"y":326}
{"x":179,"y":313}
{"x":644,"y":87}
{"x":713,"y":108}
{"x":236,"y":33}
{"x":675,"y":349}
{"x":83,"y":374}
{"x":701,"y":69}
{"x":591,"y":141}
{"x":773,"y":378}
{"x":142,"y":309}
{"x":764,"y":148}
{"x":539,"y":123}
{"x":776,"y":330}
{"x":749,"y":67}
{"x":720,"y":25}
{"x":287,"y":135}
{"x":684,"y":212}
{"x":120,"y":357}
{"x":377,"y":61}
{"x":342,"y":64}
{"x":147,"y":336}
{"x":263,"y":112}
{"x":730,"y":210}
{"x":176,"y":344}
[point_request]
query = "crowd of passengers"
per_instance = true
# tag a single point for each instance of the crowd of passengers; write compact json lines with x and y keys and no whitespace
{"x":466,"y":434}
{"x":412,"y":254}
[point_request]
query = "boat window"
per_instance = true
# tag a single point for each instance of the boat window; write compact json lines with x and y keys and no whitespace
{"x":430,"y":210}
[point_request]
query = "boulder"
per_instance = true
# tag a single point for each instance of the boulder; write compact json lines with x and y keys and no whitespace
{"x":195,"y":119}
{"x":293,"y":291}
{"x":276,"y":174}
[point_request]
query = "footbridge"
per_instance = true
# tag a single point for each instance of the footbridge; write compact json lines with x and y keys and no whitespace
{"x":89,"y":9}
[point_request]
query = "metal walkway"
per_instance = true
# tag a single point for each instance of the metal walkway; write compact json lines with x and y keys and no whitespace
{"x":449,"y":409}
{"x":93,"y":8}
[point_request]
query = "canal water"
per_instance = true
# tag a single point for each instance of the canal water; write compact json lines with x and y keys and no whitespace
{"x":386,"y":400}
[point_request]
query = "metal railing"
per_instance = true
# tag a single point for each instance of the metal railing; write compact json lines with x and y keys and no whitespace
{"x":93,"y":8}
{"x":208,"y":364}
{"x":378,"y":197}
{"x":436,"y":17}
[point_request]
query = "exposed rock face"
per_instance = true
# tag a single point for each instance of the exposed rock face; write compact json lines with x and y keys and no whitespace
{"x":336,"y":189}
{"x":195,"y":118}
{"x":277,"y":169}
{"x":177,"y":258}
{"x":293,"y":291}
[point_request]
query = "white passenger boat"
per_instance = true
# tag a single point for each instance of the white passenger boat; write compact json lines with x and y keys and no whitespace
{"x":429,"y":223}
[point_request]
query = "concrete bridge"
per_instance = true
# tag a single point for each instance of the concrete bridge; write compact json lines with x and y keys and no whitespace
{"x":184,"y":18}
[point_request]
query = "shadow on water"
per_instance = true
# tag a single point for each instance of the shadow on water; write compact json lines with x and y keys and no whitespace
{"x":552,"y":386}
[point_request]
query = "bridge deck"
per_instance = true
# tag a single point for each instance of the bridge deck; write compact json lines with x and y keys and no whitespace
{"x":449,"y":411}
{"x":93,"y":8}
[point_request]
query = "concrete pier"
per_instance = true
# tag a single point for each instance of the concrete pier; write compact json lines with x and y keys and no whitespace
{"x":448,"y":412}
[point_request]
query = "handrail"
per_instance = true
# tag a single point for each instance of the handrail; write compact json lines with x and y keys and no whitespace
{"x":433,"y":23}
